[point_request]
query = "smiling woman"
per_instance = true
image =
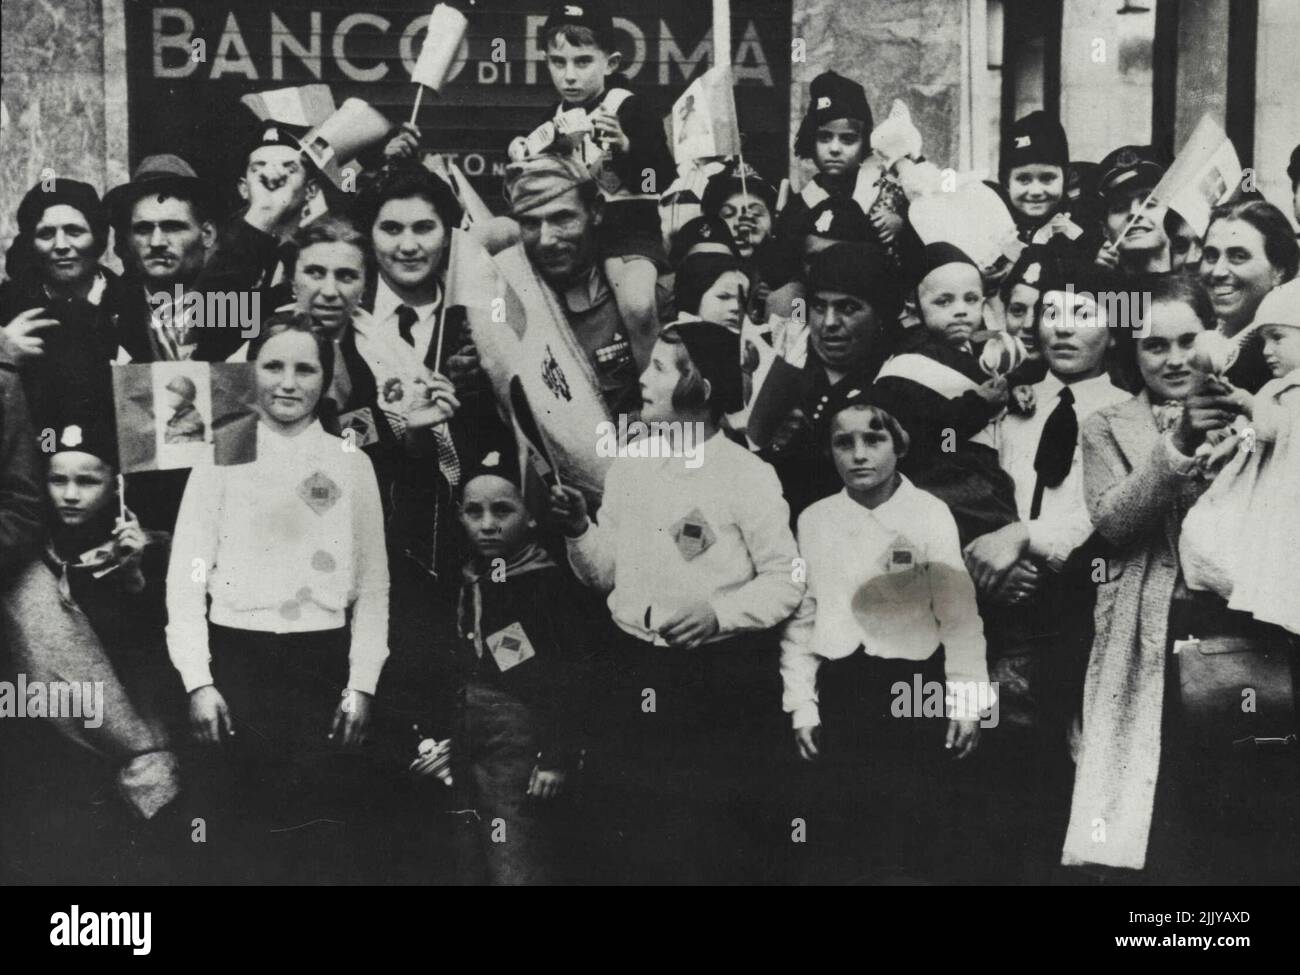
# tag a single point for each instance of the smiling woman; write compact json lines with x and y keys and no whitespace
{"x":1249,"y":250}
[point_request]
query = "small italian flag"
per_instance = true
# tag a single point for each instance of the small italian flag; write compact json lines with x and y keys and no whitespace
{"x":184,"y":414}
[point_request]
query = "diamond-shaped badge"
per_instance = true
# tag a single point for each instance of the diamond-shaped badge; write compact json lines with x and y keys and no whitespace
{"x":510,"y":647}
{"x":320,"y":493}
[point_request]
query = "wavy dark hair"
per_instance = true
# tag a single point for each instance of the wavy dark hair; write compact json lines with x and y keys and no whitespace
{"x":1280,"y":245}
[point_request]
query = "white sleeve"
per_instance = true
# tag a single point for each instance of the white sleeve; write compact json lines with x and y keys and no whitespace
{"x":773,"y":594}
{"x":591,"y":554}
{"x":192,"y":562}
{"x":370,"y":576}
{"x":799,"y":664}
{"x":952,"y":594}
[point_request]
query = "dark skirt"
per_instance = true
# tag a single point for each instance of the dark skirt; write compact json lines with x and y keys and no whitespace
{"x":281,"y":798}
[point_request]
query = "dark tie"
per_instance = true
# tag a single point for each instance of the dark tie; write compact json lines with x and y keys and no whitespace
{"x":406,"y":319}
{"x":1055,"y":448}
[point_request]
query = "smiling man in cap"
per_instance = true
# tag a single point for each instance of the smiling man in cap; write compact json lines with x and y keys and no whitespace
{"x":558,"y":208}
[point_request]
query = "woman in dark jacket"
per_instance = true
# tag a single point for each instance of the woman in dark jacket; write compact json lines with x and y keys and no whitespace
{"x":56,"y":307}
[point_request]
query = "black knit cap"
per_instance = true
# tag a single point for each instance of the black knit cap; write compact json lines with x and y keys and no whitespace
{"x":702,"y":252}
{"x":1036,"y":267}
{"x":935,"y":256}
{"x":846,"y":395}
{"x":69,"y":192}
{"x":834,"y":218}
{"x":830,"y":97}
{"x":588,"y":14}
{"x":273,"y":133}
{"x":860,"y":269}
{"x":703,"y":235}
{"x":497,"y":462}
{"x":88,"y":426}
{"x":1086,"y":276}
{"x":1036,"y":138}
{"x":715,"y":350}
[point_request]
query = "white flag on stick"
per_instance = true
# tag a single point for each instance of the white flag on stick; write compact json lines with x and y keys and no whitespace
{"x":1205,"y":173}
{"x":704,"y":118}
{"x":441,"y":46}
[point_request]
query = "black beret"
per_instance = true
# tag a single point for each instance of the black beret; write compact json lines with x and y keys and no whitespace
{"x":1036,"y":138}
{"x":830,"y":97}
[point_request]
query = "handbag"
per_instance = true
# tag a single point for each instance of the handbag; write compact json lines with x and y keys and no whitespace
{"x":1236,"y":690}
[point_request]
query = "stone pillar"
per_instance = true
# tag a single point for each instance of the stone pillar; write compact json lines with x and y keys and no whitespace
{"x":54,"y":79}
{"x":908,"y":49}
{"x":1277,"y":93}
{"x":1202,"y":65}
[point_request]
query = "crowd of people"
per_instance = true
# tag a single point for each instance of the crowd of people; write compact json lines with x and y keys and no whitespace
{"x":388,"y":658}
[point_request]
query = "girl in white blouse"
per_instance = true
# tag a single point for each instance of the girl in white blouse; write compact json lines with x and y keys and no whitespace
{"x":277,"y":600}
{"x":883,"y":664}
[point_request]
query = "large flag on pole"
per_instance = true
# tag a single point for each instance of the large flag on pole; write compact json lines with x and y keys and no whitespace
{"x":184,"y":414}
{"x":524,"y":340}
{"x":704,"y":118}
{"x":307,"y":105}
{"x":1205,"y":173}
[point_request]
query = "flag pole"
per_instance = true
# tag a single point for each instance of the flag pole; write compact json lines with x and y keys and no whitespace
{"x":419,"y":93}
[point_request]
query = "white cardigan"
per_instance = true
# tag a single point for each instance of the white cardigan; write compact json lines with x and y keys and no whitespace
{"x":285,"y":544}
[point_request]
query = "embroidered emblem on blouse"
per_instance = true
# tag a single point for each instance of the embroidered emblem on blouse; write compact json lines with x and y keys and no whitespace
{"x":319,"y":493}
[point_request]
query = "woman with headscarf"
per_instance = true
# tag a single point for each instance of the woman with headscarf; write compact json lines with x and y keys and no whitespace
{"x":55,"y":306}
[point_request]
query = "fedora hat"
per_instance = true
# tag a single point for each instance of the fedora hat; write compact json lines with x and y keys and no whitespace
{"x":163,"y":173}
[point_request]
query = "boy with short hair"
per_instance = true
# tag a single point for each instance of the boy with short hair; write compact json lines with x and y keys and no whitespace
{"x":525,"y":653}
{"x":625,"y":150}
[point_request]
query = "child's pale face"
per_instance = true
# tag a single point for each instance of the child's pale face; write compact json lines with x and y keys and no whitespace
{"x":578,"y":71}
{"x":862,"y":449}
{"x":80,"y":486}
{"x":1036,"y":188}
{"x":659,"y":381}
{"x":951,"y":301}
{"x":495,"y":519}
{"x":749,"y":221}
{"x":839,"y":147}
{"x":289,"y":379}
{"x":1020,"y":314}
{"x":1281,"y":348}
{"x":724,"y":302}
{"x":1164,"y":352}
